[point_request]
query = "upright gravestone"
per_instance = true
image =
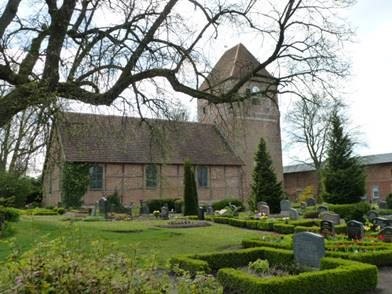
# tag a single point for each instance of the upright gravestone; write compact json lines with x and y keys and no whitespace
{"x":330,"y":216}
{"x":201,"y":213}
{"x":311,"y":201}
{"x":372,"y":214}
{"x":144,"y":209}
{"x":308,"y":249}
{"x":386,"y":234}
{"x":382,"y":222}
{"x":355,"y":230}
{"x":293,"y":214}
{"x":210,"y":210}
{"x":164,"y":212}
{"x":285,"y":205}
{"x":264,"y":210}
{"x":382,"y":204}
{"x":259,"y":204}
{"x":327,"y":228}
{"x":322,"y":208}
{"x":103,"y":206}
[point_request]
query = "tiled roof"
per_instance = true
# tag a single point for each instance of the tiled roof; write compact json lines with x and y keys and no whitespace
{"x":366,"y":160}
{"x":116,"y":139}
{"x":234,"y":63}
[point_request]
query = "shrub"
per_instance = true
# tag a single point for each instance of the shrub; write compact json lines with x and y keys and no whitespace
{"x":75,"y":183}
{"x":190,"y":190}
{"x":259,"y":266}
{"x":282,"y":228}
{"x":226,"y":202}
{"x":389,"y":200}
{"x":14,"y":189}
{"x":351,"y":211}
{"x":311,"y":214}
{"x":60,"y":210}
{"x":384,"y":211}
{"x":9,"y":214}
{"x":157,"y":204}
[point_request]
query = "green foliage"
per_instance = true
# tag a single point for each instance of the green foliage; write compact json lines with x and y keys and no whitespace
{"x":343,"y":176}
{"x":311,"y":214}
{"x":351,"y":211}
{"x":265,"y":186}
{"x":259,"y":266}
{"x":283,"y":228}
{"x":389,"y":200}
{"x":218,"y":205}
{"x":157,"y":204}
{"x":9,"y":214}
{"x":384,"y":211}
{"x":190,"y":190}
{"x":342,"y":277}
{"x":14,"y":189}
{"x":40,"y":211}
{"x":75,"y":183}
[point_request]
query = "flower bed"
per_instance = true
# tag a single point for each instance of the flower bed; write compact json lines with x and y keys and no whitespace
{"x":335,"y":276}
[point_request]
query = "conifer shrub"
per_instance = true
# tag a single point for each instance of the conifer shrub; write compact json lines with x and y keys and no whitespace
{"x":190,"y":190}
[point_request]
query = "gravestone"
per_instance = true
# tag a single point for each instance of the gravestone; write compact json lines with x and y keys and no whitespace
{"x":201,"y":213}
{"x":386,"y":234}
{"x":355,"y":230}
{"x":164,"y":212}
{"x":311,"y":202}
{"x":144,"y":209}
{"x":330,"y":216}
{"x":322,"y":208}
{"x":327,"y":228}
{"x":264,"y":210}
{"x":308,"y":249}
{"x":103,"y":206}
{"x":382,"y":204}
{"x":293,"y":214}
{"x":259,"y":204}
{"x":372,"y":215}
{"x":210,"y":210}
{"x":382,"y":222}
{"x":285,"y":205}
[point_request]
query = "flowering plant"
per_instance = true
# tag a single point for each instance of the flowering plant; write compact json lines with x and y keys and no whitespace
{"x":156,"y":213}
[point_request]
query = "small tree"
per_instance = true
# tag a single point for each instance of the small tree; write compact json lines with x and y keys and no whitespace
{"x":343,"y":176}
{"x":190,"y":190}
{"x":265,"y":186}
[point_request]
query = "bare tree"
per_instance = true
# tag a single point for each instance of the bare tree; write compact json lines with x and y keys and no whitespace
{"x":96,"y":51}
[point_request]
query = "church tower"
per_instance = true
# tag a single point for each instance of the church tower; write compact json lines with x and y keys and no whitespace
{"x":244,"y":123}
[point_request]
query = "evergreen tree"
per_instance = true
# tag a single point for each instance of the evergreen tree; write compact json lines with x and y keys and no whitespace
{"x":265,"y":186}
{"x":190,"y":190}
{"x":343,"y":176}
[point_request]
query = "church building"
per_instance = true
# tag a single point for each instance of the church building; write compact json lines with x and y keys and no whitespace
{"x":141,"y":160}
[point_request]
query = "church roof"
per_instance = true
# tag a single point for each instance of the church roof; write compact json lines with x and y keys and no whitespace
{"x":234,"y":64}
{"x":119,"y":139}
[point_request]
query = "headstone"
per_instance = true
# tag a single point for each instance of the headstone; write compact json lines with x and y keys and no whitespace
{"x":264,"y":210}
{"x":386,"y":234}
{"x":285,"y":205}
{"x":210,"y":210}
{"x":293,"y":214}
{"x":202,"y":211}
{"x":308,"y":249}
{"x":164,"y":212}
{"x":259,"y":204}
{"x":327,"y":228}
{"x":311,"y":202}
{"x":95,"y":209}
{"x":322,"y":208}
{"x":330,"y":216}
{"x":144,"y":209}
{"x":372,"y":215}
{"x":355,"y":230}
{"x":382,"y":204}
{"x":382,"y":222}
{"x":103,"y":206}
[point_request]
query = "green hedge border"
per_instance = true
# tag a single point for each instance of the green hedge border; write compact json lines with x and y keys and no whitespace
{"x":336,"y":275}
{"x":382,"y":257}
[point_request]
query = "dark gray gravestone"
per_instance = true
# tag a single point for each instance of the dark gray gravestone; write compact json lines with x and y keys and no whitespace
{"x":386,"y":234}
{"x":382,"y":204}
{"x":264,"y":210}
{"x":327,"y":228}
{"x":322,"y":208}
{"x":210,"y":210}
{"x":202,"y":212}
{"x":103,"y":206}
{"x":259,"y":204}
{"x":293,"y":214}
{"x":144,"y":209}
{"x":355,"y":230}
{"x":308,"y":249}
{"x":382,"y":222}
{"x":164,"y":212}
{"x":311,"y":202}
{"x":330,"y":216}
{"x":285,"y":205}
{"x":372,"y":215}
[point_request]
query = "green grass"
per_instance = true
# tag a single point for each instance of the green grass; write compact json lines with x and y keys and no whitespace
{"x":141,"y":235}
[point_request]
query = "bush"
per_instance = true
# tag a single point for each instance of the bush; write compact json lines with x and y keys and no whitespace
{"x":157,"y":204}
{"x":384,"y":211}
{"x":259,"y":266}
{"x":75,"y":183}
{"x":60,"y":210}
{"x":351,"y":211}
{"x":311,"y":214}
{"x":225,"y":202}
{"x":191,"y":203}
{"x":9,"y":214}
{"x":14,"y":190}
{"x":389,"y":200}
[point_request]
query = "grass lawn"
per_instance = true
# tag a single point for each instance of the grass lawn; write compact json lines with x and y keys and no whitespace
{"x":141,"y":235}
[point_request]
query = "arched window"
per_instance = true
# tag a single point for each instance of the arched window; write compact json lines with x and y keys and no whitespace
{"x":96,"y":177}
{"x":151,"y":176}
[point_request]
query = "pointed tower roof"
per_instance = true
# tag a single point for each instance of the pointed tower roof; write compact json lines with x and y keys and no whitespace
{"x":234,"y":64}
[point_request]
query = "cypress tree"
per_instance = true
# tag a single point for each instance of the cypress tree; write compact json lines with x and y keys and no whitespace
{"x":265,"y":186}
{"x":343,"y":176}
{"x":190,"y":190}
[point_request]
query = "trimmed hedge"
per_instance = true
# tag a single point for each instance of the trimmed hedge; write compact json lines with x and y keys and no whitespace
{"x":384,"y":211}
{"x":336,"y":276}
{"x":9,"y":214}
{"x":225,"y":202}
{"x":283,"y":228}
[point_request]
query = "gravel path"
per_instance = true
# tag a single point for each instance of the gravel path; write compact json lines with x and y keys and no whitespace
{"x":384,"y":281}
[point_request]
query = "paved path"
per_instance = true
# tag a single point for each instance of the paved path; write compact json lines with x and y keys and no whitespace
{"x":384,"y":281}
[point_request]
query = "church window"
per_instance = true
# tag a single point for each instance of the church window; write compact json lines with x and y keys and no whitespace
{"x":96,"y":177}
{"x":151,"y":176}
{"x":375,"y":192}
{"x":202,"y":176}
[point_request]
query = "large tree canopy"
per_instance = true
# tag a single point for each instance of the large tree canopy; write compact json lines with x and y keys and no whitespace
{"x":95,"y":51}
